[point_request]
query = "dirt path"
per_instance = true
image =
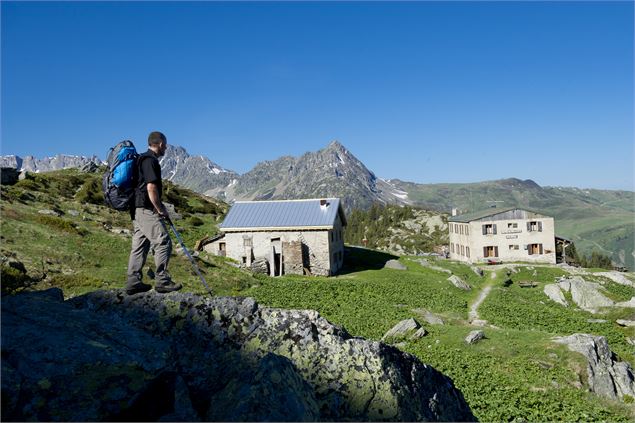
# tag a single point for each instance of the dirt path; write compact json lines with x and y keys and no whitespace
{"x":472,"y":315}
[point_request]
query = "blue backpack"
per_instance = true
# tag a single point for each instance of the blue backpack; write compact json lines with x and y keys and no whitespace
{"x":120,"y":181}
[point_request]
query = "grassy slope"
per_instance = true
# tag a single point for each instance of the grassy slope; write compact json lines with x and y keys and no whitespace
{"x":517,"y":373}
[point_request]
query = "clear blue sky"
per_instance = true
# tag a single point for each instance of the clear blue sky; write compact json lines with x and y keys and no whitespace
{"x":421,"y":91}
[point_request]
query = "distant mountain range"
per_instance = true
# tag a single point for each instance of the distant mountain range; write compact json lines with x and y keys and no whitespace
{"x":593,"y":219}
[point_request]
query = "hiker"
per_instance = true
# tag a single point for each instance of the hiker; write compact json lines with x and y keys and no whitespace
{"x":148,"y":219}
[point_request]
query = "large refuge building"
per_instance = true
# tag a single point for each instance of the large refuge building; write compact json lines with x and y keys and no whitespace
{"x":293,"y":236}
{"x":510,"y":234}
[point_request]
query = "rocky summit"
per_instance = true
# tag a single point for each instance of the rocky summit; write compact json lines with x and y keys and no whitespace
{"x":330,"y":172}
{"x":182,"y":357}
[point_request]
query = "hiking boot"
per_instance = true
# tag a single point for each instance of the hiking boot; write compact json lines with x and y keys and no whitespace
{"x":169,"y":287}
{"x":137,"y":288}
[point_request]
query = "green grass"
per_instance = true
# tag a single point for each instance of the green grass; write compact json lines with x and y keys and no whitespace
{"x":516,"y":374}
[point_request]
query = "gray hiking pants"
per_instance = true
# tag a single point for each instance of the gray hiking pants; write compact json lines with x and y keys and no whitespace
{"x":149,"y":231}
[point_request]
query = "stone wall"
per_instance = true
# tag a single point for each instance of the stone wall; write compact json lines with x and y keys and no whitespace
{"x":317,"y":248}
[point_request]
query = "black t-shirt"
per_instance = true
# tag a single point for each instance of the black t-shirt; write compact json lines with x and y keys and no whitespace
{"x":149,"y":172}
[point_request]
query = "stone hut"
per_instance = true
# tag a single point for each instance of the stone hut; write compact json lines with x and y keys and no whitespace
{"x":293,"y":236}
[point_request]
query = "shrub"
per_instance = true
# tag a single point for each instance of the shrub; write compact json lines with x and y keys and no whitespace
{"x":60,"y":224}
{"x":90,"y":192}
{"x":12,"y":280}
{"x":196,"y":221}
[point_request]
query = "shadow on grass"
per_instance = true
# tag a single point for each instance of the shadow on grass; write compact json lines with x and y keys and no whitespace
{"x":357,"y":259}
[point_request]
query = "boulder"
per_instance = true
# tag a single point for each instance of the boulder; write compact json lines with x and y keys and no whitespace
{"x":477,"y":270}
{"x":110,"y":356}
{"x":420,"y":333}
{"x":394,"y":264}
{"x":459,"y":283}
{"x":430,"y":318}
{"x":474,"y":336}
{"x":554,"y":293}
{"x":607,"y":377}
{"x":625,"y":323}
{"x":172,"y":212}
{"x":49,"y":212}
{"x":426,"y":263}
{"x":629,"y":304}
{"x":401,"y":329}
{"x":617,"y":277}
{"x":586,"y":295}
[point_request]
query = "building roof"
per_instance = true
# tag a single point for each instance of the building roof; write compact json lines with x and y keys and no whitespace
{"x":469,"y":217}
{"x":284,"y":214}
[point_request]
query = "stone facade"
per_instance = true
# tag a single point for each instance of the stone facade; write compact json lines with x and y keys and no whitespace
{"x":508,"y":235}
{"x":288,"y":250}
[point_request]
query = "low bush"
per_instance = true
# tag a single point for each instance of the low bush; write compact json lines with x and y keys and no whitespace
{"x":61,"y":224}
{"x":90,"y":192}
{"x":12,"y":280}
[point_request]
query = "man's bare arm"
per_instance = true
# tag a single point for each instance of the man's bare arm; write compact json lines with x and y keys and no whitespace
{"x":153,"y":194}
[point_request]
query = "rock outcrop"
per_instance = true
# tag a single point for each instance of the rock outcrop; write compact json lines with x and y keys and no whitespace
{"x":607,"y":376}
{"x":586,"y":295}
{"x":429,"y":317}
{"x":406,"y":328}
{"x":178,"y":356}
{"x":459,"y":283}
{"x":554,"y":293}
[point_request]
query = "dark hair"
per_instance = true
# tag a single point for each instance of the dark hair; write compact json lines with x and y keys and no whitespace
{"x":156,"y":138}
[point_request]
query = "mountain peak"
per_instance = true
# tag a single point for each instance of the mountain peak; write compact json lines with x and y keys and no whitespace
{"x":336,"y":145}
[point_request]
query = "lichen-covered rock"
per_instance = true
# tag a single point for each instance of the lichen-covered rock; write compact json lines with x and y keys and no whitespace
{"x":459,"y":283}
{"x":607,"y":376}
{"x":178,"y":356}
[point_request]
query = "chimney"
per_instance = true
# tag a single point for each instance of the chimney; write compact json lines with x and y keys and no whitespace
{"x":454,"y":211}
{"x":323,"y":204}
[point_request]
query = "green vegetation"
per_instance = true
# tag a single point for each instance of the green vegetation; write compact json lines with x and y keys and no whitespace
{"x":596,"y":260}
{"x":391,"y":227}
{"x":516,"y":374}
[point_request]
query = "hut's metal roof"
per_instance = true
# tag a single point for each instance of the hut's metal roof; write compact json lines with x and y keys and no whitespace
{"x":283,"y":214}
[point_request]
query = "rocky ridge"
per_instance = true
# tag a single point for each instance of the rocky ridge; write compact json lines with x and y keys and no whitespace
{"x":331,"y":172}
{"x":47,"y":164}
{"x":197,"y":173}
{"x":107,"y":356}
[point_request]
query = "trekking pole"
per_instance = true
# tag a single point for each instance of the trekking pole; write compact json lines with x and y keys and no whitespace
{"x":187,"y":253}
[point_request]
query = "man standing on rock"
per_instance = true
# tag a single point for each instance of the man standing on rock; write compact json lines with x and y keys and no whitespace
{"x":148,"y":222}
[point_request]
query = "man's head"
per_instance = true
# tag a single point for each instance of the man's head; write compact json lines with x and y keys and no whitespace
{"x":157,"y":143}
